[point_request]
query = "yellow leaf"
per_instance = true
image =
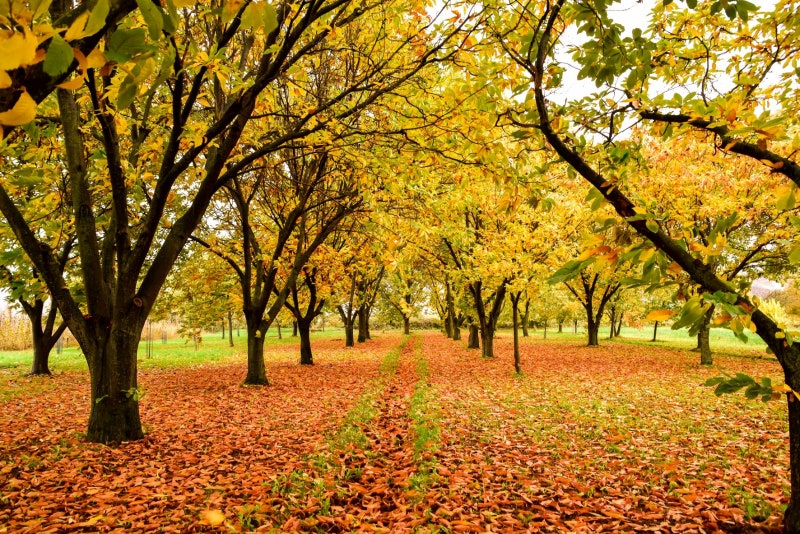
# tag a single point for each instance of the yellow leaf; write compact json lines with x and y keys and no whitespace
{"x":213,"y":517}
{"x":17,"y":49}
{"x":659,"y":315}
{"x":23,"y":112}
{"x":5,"y":80}
{"x":732,"y":112}
{"x":75,"y":30}
{"x":71,"y":85}
{"x":96,"y":59}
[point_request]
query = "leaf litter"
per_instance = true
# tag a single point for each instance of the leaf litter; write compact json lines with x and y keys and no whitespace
{"x":620,"y":438}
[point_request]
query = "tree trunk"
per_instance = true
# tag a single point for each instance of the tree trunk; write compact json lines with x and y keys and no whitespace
{"x":526,"y":318}
{"x":545,"y":330}
{"x":560,"y":326}
{"x":406,"y":325}
{"x":613,"y":321}
{"x":448,"y":327}
{"x":304,"y":329}
{"x":348,"y":334}
{"x":704,"y":339}
{"x":515,"y":322}
{"x":280,"y":336}
{"x":791,"y":517}
{"x":619,"y":325}
{"x":593,"y":331}
{"x":41,"y":352}
{"x":367,"y":313}
{"x":115,"y":395}
{"x":655,"y":331}
{"x":488,"y":344}
{"x":457,"y":329}
{"x":256,"y":370}
{"x":473,"y":342}
{"x":230,"y":328}
{"x":574,"y":326}
{"x":223,"y":329}
{"x":362,"y":324}
{"x":294,"y":328}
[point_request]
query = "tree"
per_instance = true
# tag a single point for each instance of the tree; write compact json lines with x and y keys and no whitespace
{"x":151,"y":133}
{"x":730,"y":119}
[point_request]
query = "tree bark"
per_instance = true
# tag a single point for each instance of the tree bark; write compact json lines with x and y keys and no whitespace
{"x":223,"y":329}
{"x":362,"y":324}
{"x":593,"y":330}
{"x":613,"y":321}
{"x":230,"y":328}
{"x":41,"y":353}
{"x":473,"y":342}
{"x":515,"y":322}
{"x":406,"y":325}
{"x":304,"y":329}
{"x":348,"y":320}
{"x":256,"y":370}
{"x":44,"y":334}
{"x":294,"y":328}
{"x":115,"y":395}
{"x":704,"y":339}
{"x":655,"y":331}
{"x":526,"y":317}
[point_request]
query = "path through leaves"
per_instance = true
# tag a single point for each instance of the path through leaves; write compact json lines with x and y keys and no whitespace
{"x":401,"y":435}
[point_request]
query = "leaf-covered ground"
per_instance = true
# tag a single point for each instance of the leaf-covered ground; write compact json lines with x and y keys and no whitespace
{"x":414,"y":434}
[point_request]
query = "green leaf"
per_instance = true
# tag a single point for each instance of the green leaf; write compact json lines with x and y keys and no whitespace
{"x":152,"y":16}
{"x":97,"y":18}
{"x":127,"y":92}
{"x":59,"y":56}
{"x":569,"y":271}
{"x":794,"y":255}
{"x":714,"y":381}
{"x":40,"y":7}
{"x":651,"y":225}
{"x":126,"y":43}
{"x":787,"y":201}
{"x":595,"y":198}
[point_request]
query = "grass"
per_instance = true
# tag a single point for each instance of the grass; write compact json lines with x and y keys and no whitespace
{"x":722,"y":340}
{"x":175,"y":353}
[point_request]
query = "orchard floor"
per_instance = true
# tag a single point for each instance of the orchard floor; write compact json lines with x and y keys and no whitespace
{"x":407,"y":435}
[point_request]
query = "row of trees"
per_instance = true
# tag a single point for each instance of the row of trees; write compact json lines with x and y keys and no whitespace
{"x":278,"y":137}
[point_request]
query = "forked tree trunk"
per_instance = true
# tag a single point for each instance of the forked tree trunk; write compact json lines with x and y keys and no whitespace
{"x":43,"y":334}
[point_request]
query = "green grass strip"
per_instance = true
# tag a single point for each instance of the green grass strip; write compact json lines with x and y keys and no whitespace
{"x":425,"y":414}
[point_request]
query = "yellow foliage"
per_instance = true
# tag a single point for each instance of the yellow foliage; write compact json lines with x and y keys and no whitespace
{"x":17,"y":49}
{"x":23,"y":112}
